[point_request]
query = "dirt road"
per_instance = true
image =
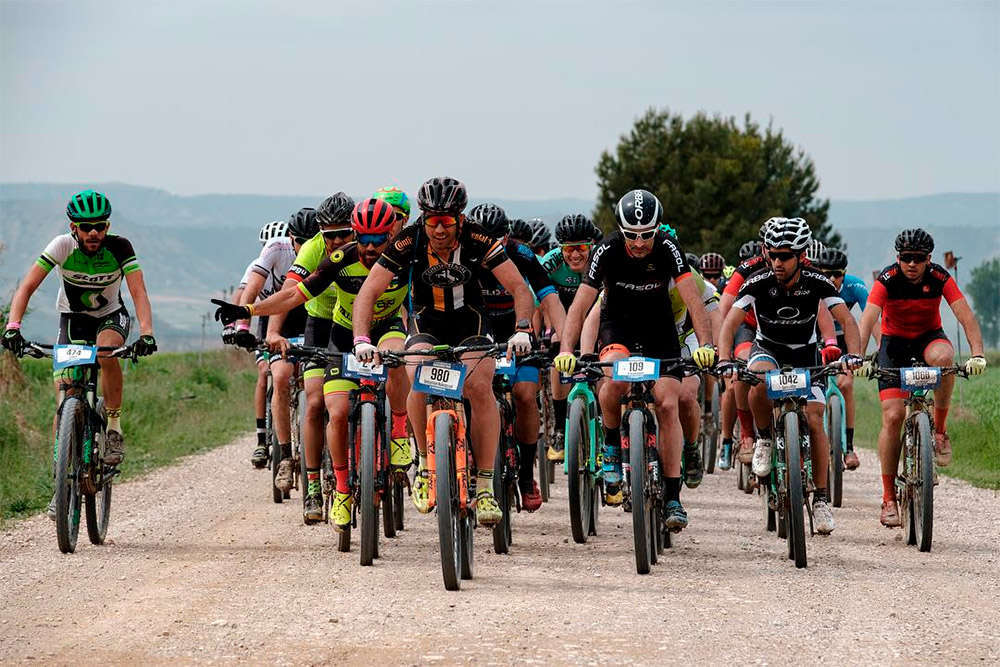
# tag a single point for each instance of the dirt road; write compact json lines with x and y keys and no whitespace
{"x":202,"y":566}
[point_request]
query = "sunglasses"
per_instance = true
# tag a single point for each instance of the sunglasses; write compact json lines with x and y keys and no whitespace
{"x":445,"y":221}
{"x":298,"y":239}
{"x":711,"y":276}
{"x":577,"y":247}
{"x":333,"y":234}
{"x":912,"y":258}
{"x":87,"y":227}
{"x":401,"y":215}
{"x":781,"y":256}
{"x":835,"y":274}
{"x":372,"y":239}
{"x":638,"y":236}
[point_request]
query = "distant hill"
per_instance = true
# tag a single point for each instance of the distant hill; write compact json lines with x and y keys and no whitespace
{"x":193,"y":248}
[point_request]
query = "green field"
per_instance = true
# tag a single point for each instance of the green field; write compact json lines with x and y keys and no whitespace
{"x":973,"y":424}
{"x":174,"y":405}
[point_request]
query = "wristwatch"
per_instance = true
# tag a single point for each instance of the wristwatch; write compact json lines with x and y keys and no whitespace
{"x":523,"y":325}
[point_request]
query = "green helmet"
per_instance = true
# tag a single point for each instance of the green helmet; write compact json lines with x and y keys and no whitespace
{"x":394,"y":196}
{"x":88,"y":206}
{"x":669,"y":230}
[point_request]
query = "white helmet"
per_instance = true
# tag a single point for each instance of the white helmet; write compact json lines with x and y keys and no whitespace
{"x":791,"y":233}
{"x":815,"y":250}
{"x":767,"y":224}
{"x":272,"y":230}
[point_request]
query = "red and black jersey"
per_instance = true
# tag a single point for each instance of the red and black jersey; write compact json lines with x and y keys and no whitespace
{"x":912,"y":309}
{"x":742,"y":272}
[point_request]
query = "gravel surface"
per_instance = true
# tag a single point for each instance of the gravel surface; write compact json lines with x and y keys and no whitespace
{"x":201,"y":566}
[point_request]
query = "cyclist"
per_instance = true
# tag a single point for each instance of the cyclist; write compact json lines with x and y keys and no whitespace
{"x":92,"y":264}
{"x":541,"y":237}
{"x":635,"y":266}
{"x":499,"y":306}
{"x":785,"y":296}
{"x":907,"y":296}
{"x":445,"y":257}
{"x":576,"y":235}
{"x":832,"y":262}
{"x":711,"y":265}
{"x":400,"y":204}
{"x":521,"y":230}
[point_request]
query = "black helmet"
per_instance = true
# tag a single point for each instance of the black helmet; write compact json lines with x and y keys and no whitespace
{"x":335,"y":210}
{"x":575,"y":228}
{"x":692,"y":259}
{"x":638,"y":210}
{"x":750,"y":249}
{"x":712,"y":262}
{"x":541,"y":235}
{"x":492,"y":218}
{"x":302,"y":224}
{"x":914,"y":239}
{"x":520,"y":230}
{"x":443,"y":195}
{"x":88,"y":206}
{"x":832,"y":259}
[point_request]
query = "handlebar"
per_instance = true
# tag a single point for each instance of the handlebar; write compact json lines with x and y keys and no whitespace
{"x":744,"y":374}
{"x":41,"y":350}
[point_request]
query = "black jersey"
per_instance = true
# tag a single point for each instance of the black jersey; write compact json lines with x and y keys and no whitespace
{"x":498,"y":300}
{"x":787,"y":316}
{"x":448,"y":281}
{"x":636,"y":290}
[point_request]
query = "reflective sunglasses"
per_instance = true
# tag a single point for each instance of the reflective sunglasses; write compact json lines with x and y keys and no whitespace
{"x":445,"y":221}
{"x":912,"y":258}
{"x":333,"y":234}
{"x":372,"y":239}
{"x":639,"y":236}
{"x":87,"y":227}
{"x":780,"y":256}
{"x":401,"y":215}
{"x":577,"y":247}
{"x":834,"y":273}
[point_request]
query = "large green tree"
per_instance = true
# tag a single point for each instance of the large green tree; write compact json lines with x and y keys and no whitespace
{"x":718,"y":180}
{"x":984,"y":288}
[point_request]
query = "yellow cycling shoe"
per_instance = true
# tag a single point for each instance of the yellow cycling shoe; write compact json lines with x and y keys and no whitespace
{"x":613,"y":495}
{"x":399,"y":452}
{"x":340,"y":513}
{"x":488,"y":512}
{"x":421,"y":492}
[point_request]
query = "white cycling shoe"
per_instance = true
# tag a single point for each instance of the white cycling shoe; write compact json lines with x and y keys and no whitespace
{"x":762,"y":457}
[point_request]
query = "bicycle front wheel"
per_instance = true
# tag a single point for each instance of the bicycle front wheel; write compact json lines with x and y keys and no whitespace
{"x":641,"y":534}
{"x":922,"y":492}
{"x":368,"y":502}
{"x":835,"y":422}
{"x":449,"y":521}
{"x":577,"y":452}
{"x":69,"y":463}
{"x":794,"y":513}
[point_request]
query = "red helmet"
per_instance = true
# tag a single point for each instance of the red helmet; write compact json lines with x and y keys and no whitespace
{"x":372,"y":216}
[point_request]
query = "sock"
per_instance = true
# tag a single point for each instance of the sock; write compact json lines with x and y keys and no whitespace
{"x":484,"y":480}
{"x":765,"y":433}
{"x":526,"y":463}
{"x":850,"y":439}
{"x":560,"y":407}
{"x":940,"y":417}
{"x":422,"y":456}
{"x":888,"y":488}
{"x":286,"y":450}
{"x":727,"y":446}
{"x":312,"y":478}
{"x":689,"y":445}
{"x":746,"y":422}
{"x":612,"y":437}
{"x":114,"y":419}
{"x":399,"y":425}
{"x":672,"y":488}
{"x":820,"y":494}
{"x":261,"y":431}
{"x":340,"y":472}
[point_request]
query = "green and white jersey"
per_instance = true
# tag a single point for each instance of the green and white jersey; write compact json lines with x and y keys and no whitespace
{"x":564,"y":278}
{"x":91,"y":284}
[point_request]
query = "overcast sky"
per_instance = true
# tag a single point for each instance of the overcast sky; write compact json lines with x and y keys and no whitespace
{"x":516,"y":99}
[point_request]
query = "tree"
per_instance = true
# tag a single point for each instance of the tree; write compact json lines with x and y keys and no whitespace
{"x":984,"y":288}
{"x":717,"y":181}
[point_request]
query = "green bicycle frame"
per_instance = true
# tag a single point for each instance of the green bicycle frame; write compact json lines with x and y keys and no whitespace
{"x":833,"y":390}
{"x":595,"y":459}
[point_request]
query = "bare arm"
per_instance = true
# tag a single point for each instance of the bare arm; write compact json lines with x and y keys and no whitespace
{"x":554,"y":312}
{"x":869,"y":318}
{"x":726,"y":302}
{"x":279,"y":302}
{"x":584,"y":299}
{"x":824,"y":322}
{"x":277,"y":320}
{"x":364,"y":304}
{"x":696,"y":308}
{"x":513,"y":282}
{"x":143,"y":311}
{"x":965,"y":317}
{"x":591,"y":330}
{"x":729,"y":326}
{"x":29,"y":284}
{"x":850,"y":327}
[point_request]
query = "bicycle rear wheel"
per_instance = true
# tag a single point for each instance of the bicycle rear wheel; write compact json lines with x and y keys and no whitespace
{"x":502,"y":493}
{"x":449,"y":521}
{"x":641,"y":535}
{"x":578,"y":485}
{"x":922,"y":494}
{"x":272,"y":441}
{"x":368,"y":502}
{"x":835,"y":416}
{"x":793,"y":469}
{"x":397,"y":504}
{"x":541,"y":450}
{"x":710,"y":432}
{"x":69,"y":463}
{"x":98,"y":504}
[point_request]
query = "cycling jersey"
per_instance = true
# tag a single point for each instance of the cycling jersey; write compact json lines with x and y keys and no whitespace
{"x":246,"y":274}
{"x":311,"y":253}
{"x":273,"y":263}
{"x":91,"y":284}
{"x":448,"y":281}
{"x":343,"y":273}
{"x":565,"y":279}
{"x":682,"y":318}
{"x":852,"y":291}
{"x":787,"y":315}
{"x":497,"y":299}
{"x":739,"y":276}
{"x":911,"y":309}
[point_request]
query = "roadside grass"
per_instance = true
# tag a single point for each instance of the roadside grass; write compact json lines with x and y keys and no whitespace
{"x":173,"y":406}
{"x":973,"y":424}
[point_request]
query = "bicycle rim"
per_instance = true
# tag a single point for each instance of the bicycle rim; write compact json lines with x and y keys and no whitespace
{"x":369,"y":508}
{"x":67,"y":477}
{"x":641,"y":537}
{"x":923,"y":494}
{"x":793,"y":469}
{"x":449,"y":537}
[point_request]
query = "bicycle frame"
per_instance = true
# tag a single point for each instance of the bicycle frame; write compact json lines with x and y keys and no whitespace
{"x":595,"y":457}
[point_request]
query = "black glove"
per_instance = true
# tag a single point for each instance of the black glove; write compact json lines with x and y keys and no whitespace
{"x":244,"y":338}
{"x":145,"y":346}
{"x":728,"y":369}
{"x":227,"y":313}
{"x":229,"y":334}
{"x":13,"y":341}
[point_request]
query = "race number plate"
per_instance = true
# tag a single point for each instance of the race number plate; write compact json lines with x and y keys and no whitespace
{"x":64,"y":356}
{"x":506,"y":367}
{"x":297,"y":340}
{"x":440,"y":379}
{"x":784,"y":384}
{"x":354,"y":369}
{"x":920,"y":378}
{"x":636,"y":369}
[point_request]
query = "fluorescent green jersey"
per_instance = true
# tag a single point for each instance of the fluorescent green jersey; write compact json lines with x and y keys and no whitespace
{"x":311,"y":254}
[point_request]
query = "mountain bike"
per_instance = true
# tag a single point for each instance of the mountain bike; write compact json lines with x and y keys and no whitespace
{"x":835,"y":425}
{"x":81,"y":476}
{"x":708,"y":434}
{"x":297,"y":410}
{"x":583,"y":464}
{"x":917,"y":475}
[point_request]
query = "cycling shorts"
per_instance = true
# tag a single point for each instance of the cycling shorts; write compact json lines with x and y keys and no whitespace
{"x":463,"y":326}
{"x":316,"y":334}
{"x":646,"y":341}
{"x":898,"y":352}
{"x":342,"y":340}
{"x":82,"y":329}
{"x":743,"y":341}
{"x":796,"y":357}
